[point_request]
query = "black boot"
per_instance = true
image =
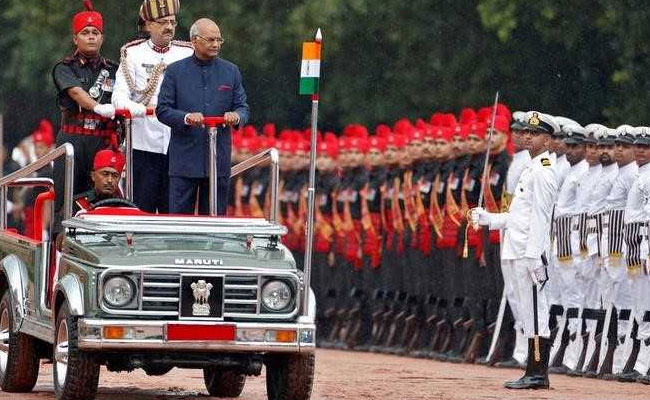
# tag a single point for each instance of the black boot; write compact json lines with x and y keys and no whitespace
{"x":536,"y":376}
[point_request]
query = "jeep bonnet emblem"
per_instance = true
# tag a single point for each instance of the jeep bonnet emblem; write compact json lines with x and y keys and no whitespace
{"x":201,"y":291}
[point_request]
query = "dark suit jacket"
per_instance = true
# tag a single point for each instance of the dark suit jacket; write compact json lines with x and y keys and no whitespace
{"x":212,"y":88}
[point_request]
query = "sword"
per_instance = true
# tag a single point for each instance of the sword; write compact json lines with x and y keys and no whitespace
{"x":487,"y":151}
{"x":538,"y":356}
{"x":484,"y":180}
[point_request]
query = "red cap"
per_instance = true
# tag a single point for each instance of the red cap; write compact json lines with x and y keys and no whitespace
{"x":377,"y":143}
{"x":461,"y":131}
{"x":90,"y":17}
{"x":382,"y":130}
{"x":403,"y":126}
{"x":249,"y":131}
{"x":444,"y":133}
{"x":355,"y":130}
{"x":269,"y":130}
{"x":400,"y":141}
{"x":504,"y":111}
{"x":328,"y":147}
{"x":478,"y":129}
{"x":357,"y":143}
{"x":437,"y":119}
{"x":502,"y":124}
{"x":251,"y":144}
{"x":417,"y":135}
{"x":38,"y":137}
{"x":467,"y":116}
{"x":109,"y":159}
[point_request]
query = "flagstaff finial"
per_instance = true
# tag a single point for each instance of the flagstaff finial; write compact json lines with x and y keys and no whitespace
{"x":319,"y":36}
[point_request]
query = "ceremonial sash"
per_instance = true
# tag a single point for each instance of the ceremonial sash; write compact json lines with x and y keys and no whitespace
{"x":352,"y":239}
{"x":616,"y":230}
{"x":397,"y":217}
{"x":409,"y":206}
{"x":633,"y":238}
{"x":435,"y":213}
{"x":453,"y":211}
{"x":490,"y":201}
{"x":323,"y":231}
{"x":563,"y":237}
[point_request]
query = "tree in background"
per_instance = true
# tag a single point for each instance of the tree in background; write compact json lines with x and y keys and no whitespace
{"x":587,"y":59}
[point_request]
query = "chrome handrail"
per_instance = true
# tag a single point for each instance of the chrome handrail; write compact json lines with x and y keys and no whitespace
{"x":274,"y":174}
{"x":25,"y":172}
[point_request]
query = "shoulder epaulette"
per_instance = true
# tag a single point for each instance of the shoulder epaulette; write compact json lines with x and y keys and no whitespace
{"x":182,"y":43}
{"x":546,"y":162}
{"x":133,"y":43}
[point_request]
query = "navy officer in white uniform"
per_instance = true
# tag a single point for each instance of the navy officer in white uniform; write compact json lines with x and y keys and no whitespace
{"x":526,"y":239}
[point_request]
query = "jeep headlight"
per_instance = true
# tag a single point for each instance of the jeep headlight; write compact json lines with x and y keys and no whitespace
{"x":276,"y":295}
{"x":118,"y":291}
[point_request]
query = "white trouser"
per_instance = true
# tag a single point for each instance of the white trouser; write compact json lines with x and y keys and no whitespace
{"x":523,"y":283}
{"x":520,"y":351}
{"x":642,"y":296}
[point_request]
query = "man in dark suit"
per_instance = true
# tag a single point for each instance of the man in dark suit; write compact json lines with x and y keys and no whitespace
{"x":198,"y":86}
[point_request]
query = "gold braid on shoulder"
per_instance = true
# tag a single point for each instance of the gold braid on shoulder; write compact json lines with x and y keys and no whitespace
{"x":146,"y":94}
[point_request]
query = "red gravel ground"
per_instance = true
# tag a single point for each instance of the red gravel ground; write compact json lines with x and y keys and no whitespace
{"x":349,"y":375}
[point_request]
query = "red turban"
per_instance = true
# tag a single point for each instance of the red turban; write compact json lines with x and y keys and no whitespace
{"x":90,"y":17}
{"x":109,"y":159}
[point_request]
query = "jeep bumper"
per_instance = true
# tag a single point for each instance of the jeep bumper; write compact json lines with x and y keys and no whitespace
{"x":103,"y":334}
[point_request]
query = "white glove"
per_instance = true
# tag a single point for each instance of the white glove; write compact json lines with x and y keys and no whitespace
{"x":137,"y":110}
{"x":537,"y":270}
{"x":479,"y":216}
{"x":105,"y":110}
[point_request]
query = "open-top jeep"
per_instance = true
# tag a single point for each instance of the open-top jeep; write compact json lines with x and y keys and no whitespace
{"x":135,"y":290}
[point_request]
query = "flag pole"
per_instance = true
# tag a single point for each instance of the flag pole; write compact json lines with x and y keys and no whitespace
{"x":311,"y":193}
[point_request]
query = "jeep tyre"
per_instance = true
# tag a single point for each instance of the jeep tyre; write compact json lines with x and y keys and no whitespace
{"x":290,"y":376}
{"x":19,"y":361}
{"x":76,"y":374}
{"x":223,"y":383}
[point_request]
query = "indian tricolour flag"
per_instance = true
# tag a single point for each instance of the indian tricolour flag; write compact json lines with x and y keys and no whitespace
{"x":310,"y":68}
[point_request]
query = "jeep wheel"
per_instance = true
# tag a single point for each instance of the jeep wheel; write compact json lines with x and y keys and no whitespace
{"x":223,"y":383}
{"x":19,"y":361}
{"x":76,"y":374}
{"x":290,"y":376}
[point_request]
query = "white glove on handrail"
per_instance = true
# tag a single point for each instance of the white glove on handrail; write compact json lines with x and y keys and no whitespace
{"x":105,"y":110}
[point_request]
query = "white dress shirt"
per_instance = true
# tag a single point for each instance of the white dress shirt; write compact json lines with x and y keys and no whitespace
{"x":638,"y":197}
{"x":148,"y":133}
{"x":603,"y":187}
{"x":562,"y":167}
{"x":617,"y":198}
{"x":520,"y":162}
{"x":567,"y":196}
{"x":528,"y":219}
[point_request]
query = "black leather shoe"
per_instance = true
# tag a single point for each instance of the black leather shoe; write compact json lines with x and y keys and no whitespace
{"x":562,"y":369}
{"x":629,"y":376}
{"x":528,"y":382}
{"x":645,"y":379}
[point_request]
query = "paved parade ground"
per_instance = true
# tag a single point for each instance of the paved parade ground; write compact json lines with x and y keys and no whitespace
{"x":349,"y":375}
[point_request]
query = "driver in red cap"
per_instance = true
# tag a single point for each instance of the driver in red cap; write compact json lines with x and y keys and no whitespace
{"x":107,"y":169}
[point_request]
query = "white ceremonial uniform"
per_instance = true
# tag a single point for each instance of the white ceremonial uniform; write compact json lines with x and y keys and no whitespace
{"x":562,"y":166}
{"x":526,"y":237}
{"x":562,"y":274}
{"x":636,"y":254}
{"x":145,"y":67}
{"x":520,"y":162}
{"x":584,"y":268}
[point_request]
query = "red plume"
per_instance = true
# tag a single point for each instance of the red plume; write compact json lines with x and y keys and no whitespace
{"x":88,"y":5}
